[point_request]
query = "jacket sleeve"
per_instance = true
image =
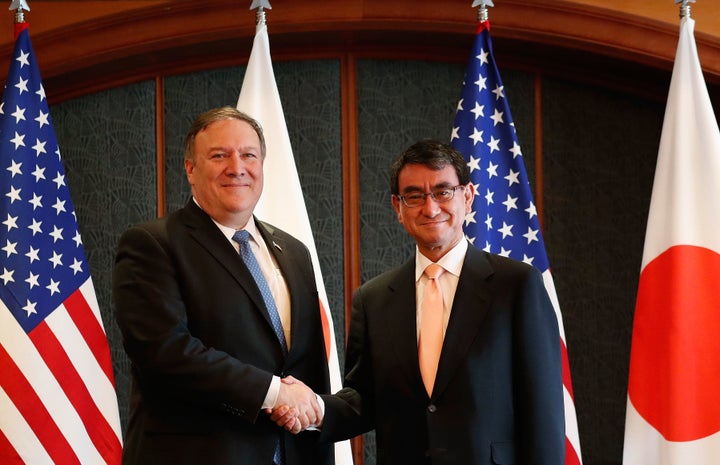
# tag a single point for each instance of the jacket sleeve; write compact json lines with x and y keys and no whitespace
{"x":350,"y":411}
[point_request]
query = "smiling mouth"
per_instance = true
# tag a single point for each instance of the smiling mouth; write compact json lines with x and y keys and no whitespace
{"x":434,"y":223}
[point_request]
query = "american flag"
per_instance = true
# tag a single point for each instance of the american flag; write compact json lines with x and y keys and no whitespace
{"x":503,"y":219}
{"x":57,"y":396}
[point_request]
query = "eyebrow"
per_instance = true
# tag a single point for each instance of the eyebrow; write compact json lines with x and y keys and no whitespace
{"x":441,"y":185}
{"x":244,"y":149}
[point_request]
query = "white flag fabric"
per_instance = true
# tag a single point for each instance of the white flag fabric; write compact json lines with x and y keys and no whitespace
{"x":282,"y":203}
{"x":673,"y":412}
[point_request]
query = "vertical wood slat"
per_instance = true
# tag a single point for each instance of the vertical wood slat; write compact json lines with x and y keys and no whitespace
{"x":539,"y":187}
{"x":351,"y":200}
{"x":160,"y":145}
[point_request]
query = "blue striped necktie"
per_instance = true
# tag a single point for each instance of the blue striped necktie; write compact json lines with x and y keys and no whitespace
{"x":242,"y":237}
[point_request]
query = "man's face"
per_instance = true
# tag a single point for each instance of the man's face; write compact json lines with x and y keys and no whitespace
{"x":436,"y":227}
{"x":226,"y":174}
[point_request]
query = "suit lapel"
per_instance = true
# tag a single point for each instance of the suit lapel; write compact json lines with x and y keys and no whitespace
{"x":401,"y":321}
{"x":469,"y":309}
{"x":303,"y":296}
{"x":286,"y":262}
{"x":208,"y":235}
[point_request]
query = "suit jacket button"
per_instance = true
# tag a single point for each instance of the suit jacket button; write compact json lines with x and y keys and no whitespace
{"x":432,"y":408}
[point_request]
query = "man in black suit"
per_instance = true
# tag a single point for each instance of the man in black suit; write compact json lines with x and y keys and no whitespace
{"x":494,"y":395}
{"x":212,"y":344}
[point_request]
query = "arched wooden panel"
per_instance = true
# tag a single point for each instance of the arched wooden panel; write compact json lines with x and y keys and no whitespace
{"x":106,"y":44}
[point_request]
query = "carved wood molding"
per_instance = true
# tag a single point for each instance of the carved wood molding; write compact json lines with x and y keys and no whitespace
{"x":554,"y":36}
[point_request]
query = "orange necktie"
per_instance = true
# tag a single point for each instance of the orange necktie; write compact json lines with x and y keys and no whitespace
{"x":431,"y":327}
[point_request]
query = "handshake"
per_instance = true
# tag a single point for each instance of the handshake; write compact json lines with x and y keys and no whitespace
{"x":297,"y":407}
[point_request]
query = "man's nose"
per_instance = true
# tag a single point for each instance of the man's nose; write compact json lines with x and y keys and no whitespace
{"x":431,"y":207}
{"x":236,"y":165}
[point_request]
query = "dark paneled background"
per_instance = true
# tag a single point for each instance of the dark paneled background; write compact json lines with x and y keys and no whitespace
{"x":599,"y":161}
{"x":107,"y":143}
{"x":599,"y":150}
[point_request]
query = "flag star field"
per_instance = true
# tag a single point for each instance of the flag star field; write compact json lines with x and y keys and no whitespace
{"x":43,"y":261}
{"x":503,"y":219}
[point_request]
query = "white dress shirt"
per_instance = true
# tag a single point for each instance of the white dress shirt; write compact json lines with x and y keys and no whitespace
{"x":278,"y":289}
{"x":452,"y":262}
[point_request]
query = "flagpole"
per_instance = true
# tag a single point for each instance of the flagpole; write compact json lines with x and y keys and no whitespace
{"x":19,"y":15}
{"x":684,"y":7}
{"x":260,"y":5}
{"x":20,"y":7}
{"x":483,"y":11}
{"x":260,"y":19}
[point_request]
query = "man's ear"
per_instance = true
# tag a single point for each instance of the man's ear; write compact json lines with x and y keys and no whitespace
{"x":189,"y":169}
{"x":469,"y":192}
{"x":396,"y":207}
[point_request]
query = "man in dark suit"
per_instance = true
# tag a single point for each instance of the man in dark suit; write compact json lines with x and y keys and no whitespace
{"x":494,"y":395}
{"x":198,"y":323}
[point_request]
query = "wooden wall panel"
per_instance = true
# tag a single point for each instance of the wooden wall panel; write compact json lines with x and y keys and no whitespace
{"x":84,"y":47}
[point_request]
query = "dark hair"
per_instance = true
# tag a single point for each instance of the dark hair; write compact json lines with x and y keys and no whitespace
{"x":433,"y":154}
{"x":213,"y":116}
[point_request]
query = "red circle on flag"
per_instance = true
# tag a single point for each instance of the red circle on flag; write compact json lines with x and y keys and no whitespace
{"x":675,"y":357}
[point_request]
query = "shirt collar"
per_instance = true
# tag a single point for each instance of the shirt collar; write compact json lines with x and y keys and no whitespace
{"x":451,"y":261}
{"x":250,"y":227}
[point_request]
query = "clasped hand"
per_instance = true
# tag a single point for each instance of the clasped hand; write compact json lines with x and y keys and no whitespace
{"x":296,"y":408}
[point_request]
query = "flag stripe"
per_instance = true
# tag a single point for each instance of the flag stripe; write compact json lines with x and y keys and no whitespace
{"x":571,"y":431}
{"x":27,"y":353}
{"x":571,"y":457}
{"x":567,"y":378}
{"x":22,"y":435}
{"x":57,"y":360}
{"x":8,"y":454}
{"x":91,"y":330}
{"x":327,"y":333}
{"x":31,"y":407}
{"x":566,"y":370}
{"x":85,"y":362}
